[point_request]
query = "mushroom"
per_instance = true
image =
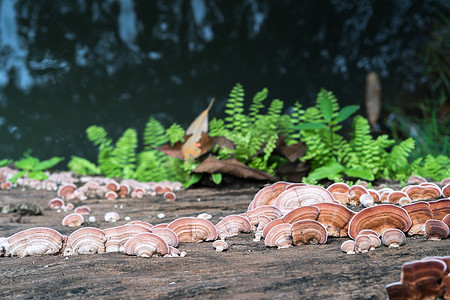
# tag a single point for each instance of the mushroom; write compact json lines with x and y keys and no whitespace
{"x":87,"y":240}
{"x":308,"y":232}
{"x":262,"y":222}
{"x":366,"y":200}
{"x":304,"y":195}
{"x":82,"y":210}
{"x":445,"y":181}
{"x":395,"y":197}
{"x":446,"y":220}
{"x":220,"y":245}
{"x":112,"y":217}
{"x":116,"y":237}
{"x":335,"y":218}
{"x":375,"y":241}
{"x":362,"y":243}
{"x":113,"y":185}
{"x":306,"y":212}
{"x":146,"y":245}
{"x":348,"y":247}
{"x":384,"y":196}
{"x":417,"y":192}
{"x":404,"y":201}
{"x":170,"y":196}
{"x":271,"y":224}
{"x":124,"y":190}
{"x":111,"y":195}
{"x":375,"y":194}
{"x":279,"y":236}
{"x":340,"y":191}
{"x":398,"y":291}
{"x":419,"y":212}
{"x":193,"y":230}
{"x":266,"y":210}
{"x":168,"y":235}
{"x":446,"y":190}
{"x":33,"y":241}
{"x":161,"y":225}
{"x":379,"y":218}
{"x":231,"y":225}
{"x":267,"y":195}
{"x":415,"y":179}
{"x":440,"y":208}
{"x":159,"y":189}
{"x":56,"y":203}
{"x":174,"y":252}
{"x":73,"y":220}
{"x":355,"y":193}
{"x":436,"y":230}
{"x":66,"y":191}
{"x":204,"y":216}
{"x":393,"y":238}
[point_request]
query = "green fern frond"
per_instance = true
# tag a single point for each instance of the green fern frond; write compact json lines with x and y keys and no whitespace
{"x":235,"y":108}
{"x":257,"y":105}
{"x":98,"y":136}
{"x":275,"y":108}
{"x":175,"y":133}
{"x":328,"y":95}
{"x":154,"y":134}
{"x":398,"y":157}
{"x":436,"y":168}
{"x":217,"y":127}
{"x":82,"y":166}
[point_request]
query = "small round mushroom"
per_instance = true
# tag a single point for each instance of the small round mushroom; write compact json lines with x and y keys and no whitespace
{"x":193,"y":229}
{"x":308,"y":232}
{"x":82,"y":210}
{"x":446,"y":190}
{"x":362,"y":243}
{"x":112,"y":217}
{"x":146,"y":245}
{"x":66,"y":191}
{"x":375,"y":194}
{"x":220,"y":245}
{"x":56,"y":203}
{"x":124,"y":190}
{"x":170,"y":196}
{"x":375,"y":241}
{"x":393,"y":238}
{"x":279,"y":236}
{"x":204,"y":216}
{"x":73,"y":220}
{"x":436,"y":230}
{"x":348,"y":247}
{"x":231,"y":225}
{"x":111,"y":195}
{"x":113,"y":185}
{"x":355,"y":193}
{"x":366,"y":200}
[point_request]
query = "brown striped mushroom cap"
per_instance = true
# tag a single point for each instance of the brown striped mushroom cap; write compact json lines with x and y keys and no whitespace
{"x":279,"y":236}
{"x":415,"y":179}
{"x":379,"y":218}
{"x":116,"y":237}
{"x":445,"y":259}
{"x":56,"y":203}
{"x":436,"y":230}
{"x":308,"y":232}
{"x":170,"y":196}
{"x":306,"y":212}
{"x":33,"y":241}
{"x":419,"y":212}
{"x":220,"y":245}
{"x":124,"y":190}
{"x":375,"y":241}
{"x":266,"y":210}
{"x":445,"y":181}
{"x":262,"y":223}
{"x":348,"y":247}
{"x":66,"y":191}
{"x":231,"y":225}
{"x":146,"y":245}
{"x":271,"y":224}
{"x":440,"y":208}
{"x":384,"y":196}
{"x":393,"y":237}
{"x":142,"y":223}
{"x":340,"y":191}
{"x":446,"y":220}
{"x":363,"y":243}
{"x":304,"y":195}
{"x":267,"y":195}
{"x":375,"y":194}
{"x":168,"y":235}
{"x":113,"y":185}
{"x":395,"y":196}
{"x":111,"y":195}
{"x":73,"y":220}
{"x":418,"y":192}
{"x":355,"y":193}
{"x":193,"y":230}
{"x":398,"y":291}
{"x":87,"y":240}
{"x":335,"y":218}
{"x":446,"y":190}
{"x":82,"y":210}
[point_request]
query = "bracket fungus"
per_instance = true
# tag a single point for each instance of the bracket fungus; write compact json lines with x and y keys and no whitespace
{"x":375,"y":241}
{"x":170,"y":196}
{"x":355,"y":193}
{"x":271,"y":224}
{"x":33,"y":241}
{"x":308,"y":232}
{"x":168,"y":235}
{"x":220,"y":245}
{"x":340,"y":191}
{"x":73,"y":220}
{"x":193,"y":230}
{"x":395,"y":197}
{"x":446,"y":220}
{"x":231,"y":225}
{"x":379,"y":218}
{"x":348,"y":247}
{"x":262,"y":223}
{"x":393,"y":238}
{"x":446,"y":190}
{"x":112,"y":217}
{"x":436,"y":230}
{"x":362,"y":243}
{"x":141,"y":223}
{"x":415,"y":179}
{"x":266,"y":210}
{"x":56,"y":203}
{"x":279,"y":236}
{"x":335,"y":218}
{"x":87,"y":240}
{"x":419,"y":212}
{"x":440,"y":208}
{"x":304,"y":195}
{"x":268,"y":194}
{"x":306,"y":212}
{"x":116,"y":237}
{"x":146,"y":245}
{"x":66,"y":191}
{"x":417,"y":192}
{"x":82,"y":210}
{"x":111,"y":195}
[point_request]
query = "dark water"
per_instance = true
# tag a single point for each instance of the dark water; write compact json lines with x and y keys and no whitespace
{"x":65,"y":65}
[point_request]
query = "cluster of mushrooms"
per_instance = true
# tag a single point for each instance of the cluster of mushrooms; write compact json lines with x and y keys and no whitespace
{"x":427,"y":278}
{"x":284,"y":214}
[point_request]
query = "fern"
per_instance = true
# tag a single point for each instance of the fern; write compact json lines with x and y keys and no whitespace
{"x":257,"y":104}
{"x":99,"y":137}
{"x":217,"y":127}
{"x":82,"y":166}
{"x":398,"y":158}
{"x":437,"y":168}
{"x":235,"y":108}
{"x":154,"y":134}
{"x":175,"y":133}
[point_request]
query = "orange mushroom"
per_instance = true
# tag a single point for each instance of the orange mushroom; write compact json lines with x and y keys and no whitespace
{"x":419,"y":212}
{"x":436,"y":230}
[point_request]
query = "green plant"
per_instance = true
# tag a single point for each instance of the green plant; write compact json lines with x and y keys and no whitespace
{"x":82,"y":166}
{"x":5,"y":162}
{"x":32,"y":167}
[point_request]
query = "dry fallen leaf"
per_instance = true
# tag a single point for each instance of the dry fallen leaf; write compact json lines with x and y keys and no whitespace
{"x":373,"y":98}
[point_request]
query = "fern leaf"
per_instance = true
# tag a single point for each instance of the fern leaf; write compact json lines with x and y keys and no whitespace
{"x":257,"y":105}
{"x":175,"y":133}
{"x":154,"y":134}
